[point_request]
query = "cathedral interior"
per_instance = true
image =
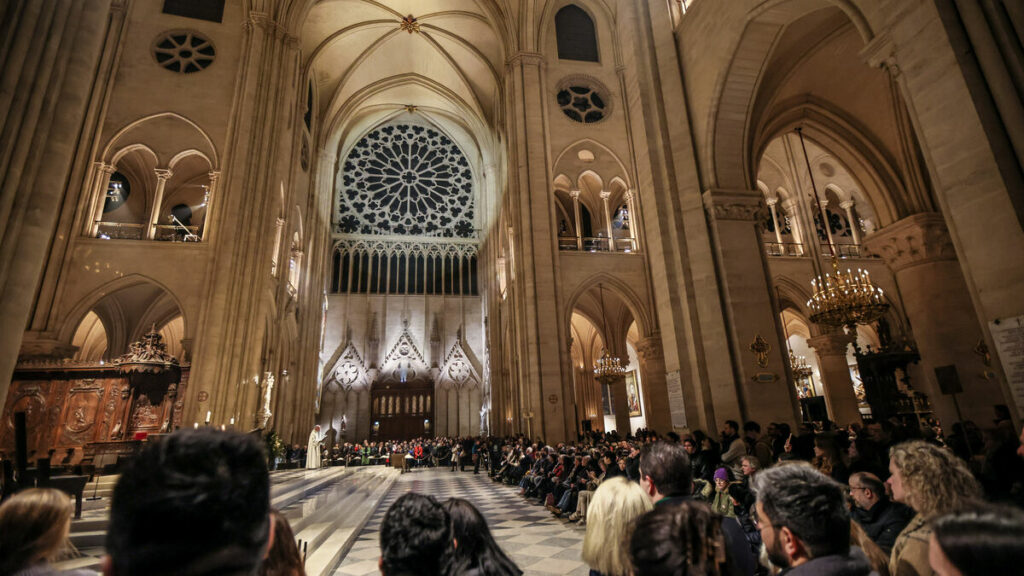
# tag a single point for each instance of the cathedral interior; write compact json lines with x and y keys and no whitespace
{"x":408,"y":218}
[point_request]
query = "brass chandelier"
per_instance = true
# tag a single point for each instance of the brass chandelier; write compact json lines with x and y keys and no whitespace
{"x":841,"y":298}
{"x":607,"y":366}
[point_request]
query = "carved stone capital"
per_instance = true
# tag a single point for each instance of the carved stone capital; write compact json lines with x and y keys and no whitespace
{"x":832,"y":344}
{"x":881,"y":53}
{"x":743,"y":205}
{"x":525,"y":58}
{"x":606,"y":194}
{"x":847,"y":204}
{"x":916,"y":239}
{"x":649,"y":349}
{"x":163,"y":174}
{"x":575,"y":194}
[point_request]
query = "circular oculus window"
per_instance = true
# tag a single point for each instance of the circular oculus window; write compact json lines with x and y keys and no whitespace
{"x":183,"y":51}
{"x":583,"y":102}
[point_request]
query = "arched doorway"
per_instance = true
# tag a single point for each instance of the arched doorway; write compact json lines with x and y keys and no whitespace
{"x":402,"y":410}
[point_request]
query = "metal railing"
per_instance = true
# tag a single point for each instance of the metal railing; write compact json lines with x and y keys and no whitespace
{"x":784,"y":249}
{"x":120,"y":231}
{"x":175,"y":233}
{"x":844,"y":250}
{"x":595,"y":244}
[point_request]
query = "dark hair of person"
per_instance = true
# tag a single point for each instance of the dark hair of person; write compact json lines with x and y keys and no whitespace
{"x":416,"y":537}
{"x":193,"y":502}
{"x":752,"y":426}
{"x":33,"y":528}
{"x":807,"y":502}
{"x":872,"y":483}
{"x":284,"y":558}
{"x":982,"y":541}
{"x":681,"y":539}
{"x":668,"y":465}
{"x":475,"y":548}
{"x":733,"y":424}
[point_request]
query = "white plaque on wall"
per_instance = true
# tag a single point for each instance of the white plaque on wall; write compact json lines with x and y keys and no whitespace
{"x":1008,"y":335}
{"x":676,"y":405}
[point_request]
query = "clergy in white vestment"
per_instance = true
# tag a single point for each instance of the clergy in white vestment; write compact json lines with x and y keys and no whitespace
{"x":313,"y":448}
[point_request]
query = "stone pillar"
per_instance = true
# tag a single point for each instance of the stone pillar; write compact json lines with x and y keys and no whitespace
{"x":835,"y":373}
{"x":652,"y":365}
{"x":633,"y":219}
{"x":208,"y":223}
{"x":576,"y":214}
{"x":543,"y":365}
{"x":617,"y":386}
{"x":938,"y":306}
{"x":772,"y":202}
{"x":854,"y":224}
{"x":162,"y":176}
{"x":47,"y":78}
{"x":733,"y":217}
{"x":605,"y":195}
{"x":99,"y":195}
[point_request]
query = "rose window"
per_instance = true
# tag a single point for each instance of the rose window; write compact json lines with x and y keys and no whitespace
{"x":408,"y":180}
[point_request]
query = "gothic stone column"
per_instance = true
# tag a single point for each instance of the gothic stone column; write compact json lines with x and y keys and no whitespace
{"x":835,"y":372}
{"x":46,"y":75}
{"x":617,"y":385}
{"x":746,"y":293}
{"x":652,"y":365}
{"x":938,"y":305}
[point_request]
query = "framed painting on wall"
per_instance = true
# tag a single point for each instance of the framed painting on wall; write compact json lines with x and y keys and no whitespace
{"x":633,"y":395}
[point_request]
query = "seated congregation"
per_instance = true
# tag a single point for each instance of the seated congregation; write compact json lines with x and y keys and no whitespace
{"x":649,"y":504}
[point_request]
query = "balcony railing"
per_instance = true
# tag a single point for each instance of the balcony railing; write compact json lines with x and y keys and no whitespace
{"x":796,"y":250}
{"x":137,"y":231}
{"x":784,"y":249}
{"x":120,"y":231}
{"x":595,"y":244}
{"x":174,"y":233}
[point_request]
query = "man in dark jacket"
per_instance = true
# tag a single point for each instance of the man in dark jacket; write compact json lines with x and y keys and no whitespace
{"x":881,"y":519}
{"x":805,"y":524}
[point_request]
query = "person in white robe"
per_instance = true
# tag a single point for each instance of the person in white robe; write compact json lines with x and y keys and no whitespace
{"x":313,"y":448}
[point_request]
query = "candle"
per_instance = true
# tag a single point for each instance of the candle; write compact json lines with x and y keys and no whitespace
{"x":232,"y":420}
{"x":221,"y":427}
{"x":208,"y":414}
{"x":196,"y":425}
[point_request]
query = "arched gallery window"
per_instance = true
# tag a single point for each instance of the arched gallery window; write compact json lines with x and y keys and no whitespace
{"x":574,"y":30}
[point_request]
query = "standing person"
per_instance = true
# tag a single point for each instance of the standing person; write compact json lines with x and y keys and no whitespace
{"x":313,"y":448}
{"x":34,"y":527}
{"x":733,"y":447}
{"x":613,"y":513}
{"x":932,"y":481}
{"x":476,"y":552}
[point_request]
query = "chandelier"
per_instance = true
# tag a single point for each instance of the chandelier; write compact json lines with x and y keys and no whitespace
{"x":801,"y":369}
{"x":607,"y":366}
{"x":841,"y":298}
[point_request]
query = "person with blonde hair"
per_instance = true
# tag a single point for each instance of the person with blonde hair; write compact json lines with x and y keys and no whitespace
{"x":34,"y":527}
{"x":614,"y":509}
{"x":932,"y":481}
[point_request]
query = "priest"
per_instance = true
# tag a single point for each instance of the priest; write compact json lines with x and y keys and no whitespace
{"x":313,"y":448}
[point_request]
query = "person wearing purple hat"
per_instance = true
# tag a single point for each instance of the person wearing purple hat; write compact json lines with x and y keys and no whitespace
{"x":722,"y":503}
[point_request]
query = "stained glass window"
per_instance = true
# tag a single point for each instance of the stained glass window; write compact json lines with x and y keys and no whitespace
{"x":406,"y":179}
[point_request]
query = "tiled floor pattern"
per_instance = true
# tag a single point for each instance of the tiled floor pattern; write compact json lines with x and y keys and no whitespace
{"x":540,"y":544}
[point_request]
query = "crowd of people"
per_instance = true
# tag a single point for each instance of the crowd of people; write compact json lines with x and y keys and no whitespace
{"x":857,"y":501}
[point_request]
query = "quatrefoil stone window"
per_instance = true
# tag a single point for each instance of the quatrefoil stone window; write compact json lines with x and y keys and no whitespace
{"x":406,"y":179}
{"x":583,"y":103}
{"x":183,"y":51}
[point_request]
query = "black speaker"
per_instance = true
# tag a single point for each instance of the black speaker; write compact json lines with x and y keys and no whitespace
{"x":814,"y":409}
{"x":949,"y":379}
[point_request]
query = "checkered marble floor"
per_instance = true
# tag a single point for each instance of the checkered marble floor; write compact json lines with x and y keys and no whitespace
{"x":539,"y":543}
